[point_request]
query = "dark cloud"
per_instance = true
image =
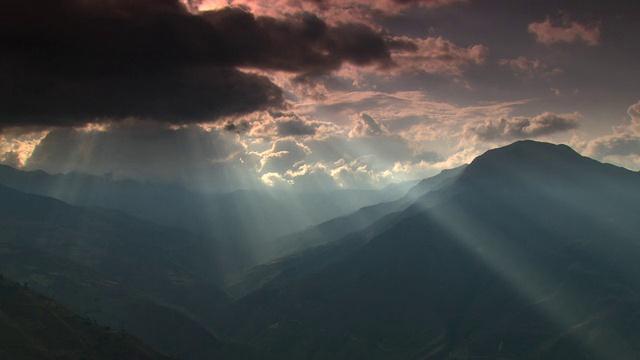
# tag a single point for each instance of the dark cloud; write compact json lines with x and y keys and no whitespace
{"x":239,"y":126}
{"x":174,"y":97}
{"x":367,"y":126}
{"x":429,"y":157}
{"x":301,"y":43}
{"x":278,"y":124}
{"x":295,"y":127}
{"x":66,"y":62}
{"x":70,"y":62}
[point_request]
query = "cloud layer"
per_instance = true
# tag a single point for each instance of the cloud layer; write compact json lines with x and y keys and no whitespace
{"x":523,"y":127}
{"x":67,"y":63}
{"x":324,"y":93}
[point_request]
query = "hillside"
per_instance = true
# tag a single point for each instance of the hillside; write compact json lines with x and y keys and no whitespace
{"x":35,"y":327}
{"x":156,"y":282}
{"x":531,"y":253}
{"x":311,"y":250}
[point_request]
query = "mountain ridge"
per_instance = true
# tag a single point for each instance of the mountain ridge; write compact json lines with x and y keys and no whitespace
{"x":122,"y":271}
{"x":500,"y":264}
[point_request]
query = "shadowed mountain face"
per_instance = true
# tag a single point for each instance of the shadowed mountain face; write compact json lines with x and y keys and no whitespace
{"x":156,"y":282}
{"x":35,"y":327}
{"x":323,"y":249}
{"x":531,"y":253}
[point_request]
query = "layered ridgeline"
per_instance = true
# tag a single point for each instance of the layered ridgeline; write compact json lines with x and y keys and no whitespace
{"x":530,"y":253}
{"x":301,"y":253}
{"x":156,"y":282}
{"x":237,"y":223}
{"x":35,"y":327}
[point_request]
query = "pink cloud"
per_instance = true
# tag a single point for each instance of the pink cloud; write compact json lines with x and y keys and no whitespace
{"x":623,"y":146}
{"x":530,"y":68}
{"x":436,"y":56}
{"x":339,"y":10}
{"x":367,"y":126}
{"x":523,"y":127}
{"x":547,"y":33}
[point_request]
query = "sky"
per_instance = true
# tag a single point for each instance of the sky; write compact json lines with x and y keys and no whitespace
{"x":312,"y":94}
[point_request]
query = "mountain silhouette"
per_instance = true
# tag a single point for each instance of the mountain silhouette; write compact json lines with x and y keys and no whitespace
{"x":33,"y":326}
{"x":531,"y":253}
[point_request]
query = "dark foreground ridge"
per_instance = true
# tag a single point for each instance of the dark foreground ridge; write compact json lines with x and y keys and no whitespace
{"x":35,"y":327}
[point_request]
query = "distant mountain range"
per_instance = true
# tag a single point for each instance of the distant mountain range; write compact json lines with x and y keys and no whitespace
{"x":237,"y":224}
{"x":529,"y":252}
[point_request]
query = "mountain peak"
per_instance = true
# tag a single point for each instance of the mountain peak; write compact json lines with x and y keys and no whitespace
{"x":528,"y":150}
{"x":529,"y":156}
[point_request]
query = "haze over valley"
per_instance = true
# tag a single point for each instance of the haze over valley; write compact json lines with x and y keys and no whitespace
{"x":240,"y":179}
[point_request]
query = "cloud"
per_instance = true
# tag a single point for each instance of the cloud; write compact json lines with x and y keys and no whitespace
{"x":190,"y":155}
{"x":315,"y":176}
{"x":367,"y":126}
{"x":300,"y":43}
{"x":99,"y":61}
{"x":294,"y":127}
{"x":547,"y":33}
{"x":276,"y":124}
{"x":435,"y":55}
{"x":530,"y":68}
{"x":73,"y":62}
{"x":522,"y":127}
{"x":620,"y":144}
{"x":333,"y":10}
{"x":67,"y":63}
{"x":16,"y":148}
{"x":401,"y":109}
{"x":357,"y":174}
{"x":388,"y":5}
{"x":11,"y":158}
{"x":283,"y":155}
{"x":623,"y":146}
{"x":274,"y":179}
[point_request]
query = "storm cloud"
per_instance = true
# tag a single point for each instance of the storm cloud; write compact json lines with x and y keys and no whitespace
{"x":73,"y":62}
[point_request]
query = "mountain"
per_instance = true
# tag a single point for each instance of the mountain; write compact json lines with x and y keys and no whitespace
{"x":365,"y":216}
{"x":311,"y":250}
{"x":35,"y":327}
{"x":154,"y":281}
{"x":530,"y":253}
{"x":236,"y":224}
